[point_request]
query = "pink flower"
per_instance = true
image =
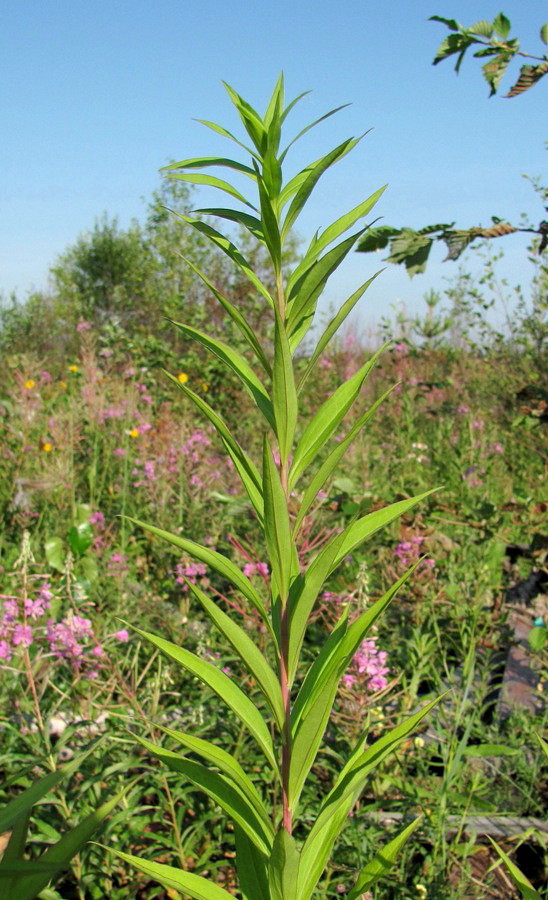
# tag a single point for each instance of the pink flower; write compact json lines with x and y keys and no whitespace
{"x":5,"y":651}
{"x":82,"y":326}
{"x":463,"y":408}
{"x":22,"y":636}
{"x":119,"y":451}
{"x":122,"y":635}
{"x":97,"y":519}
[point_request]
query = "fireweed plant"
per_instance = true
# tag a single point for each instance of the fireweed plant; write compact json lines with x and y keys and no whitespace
{"x":297,"y":460}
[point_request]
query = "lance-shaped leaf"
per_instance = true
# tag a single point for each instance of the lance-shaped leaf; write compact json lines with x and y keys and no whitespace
{"x":238,"y":364}
{"x":330,"y":462}
{"x":306,"y":185}
{"x":228,"y":765}
{"x":307,"y":585}
{"x":236,"y":316}
{"x":313,"y":705}
{"x":251,"y":866}
{"x":382,"y":862}
{"x":246,"y":469}
{"x":284,"y":394}
{"x":333,"y":326}
{"x":212,"y":181}
{"x":205,"y":161}
{"x":327,"y":418}
{"x":249,"y":653}
{"x":307,"y":127}
{"x":331,"y":233}
{"x":281,"y":550}
{"x":269,"y":222}
{"x":228,"y":796}
{"x":177,"y":879}
{"x":283,"y":867}
{"x":274,"y":108}
{"x":340,"y":800}
{"x":216,"y":561}
{"x":231,"y":251}
{"x":12,"y":865}
{"x":60,"y":854}
{"x":522,"y":883}
{"x":305,"y":292}
{"x":338,"y":650}
{"x":252,"y":223}
{"x":250,"y":118}
{"x":222,"y":685}
{"x":219,"y":129}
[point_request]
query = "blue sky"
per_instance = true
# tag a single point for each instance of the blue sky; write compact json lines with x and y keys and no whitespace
{"x":98,"y":95}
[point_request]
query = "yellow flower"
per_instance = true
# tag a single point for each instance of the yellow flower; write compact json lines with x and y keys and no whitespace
{"x":29,"y":384}
{"x":47,"y":447}
{"x":133,"y":433}
{"x":62,"y":384}
{"x":204,"y":385}
{"x":73,"y":368}
{"x":419,"y":743}
{"x":182,"y":377}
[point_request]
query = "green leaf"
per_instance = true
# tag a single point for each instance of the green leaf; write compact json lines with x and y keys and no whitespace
{"x":246,"y":469}
{"x":330,"y":462}
{"x":225,"y":133}
{"x":236,"y":316}
{"x":482,"y":27}
{"x":333,"y":327}
{"x":307,"y":180}
{"x":205,"y":161}
{"x":479,"y":750}
{"x":269,"y":223}
{"x":537,"y":637}
{"x":340,"y":800}
{"x":328,"y":418}
{"x":228,"y":765}
{"x":312,"y":707}
{"x":377,"y":238}
{"x":501,"y":25}
{"x":194,"y":885}
{"x":281,"y":551}
{"x":227,"y":794}
{"x":306,"y":290}
{"x":248,"y":652}
{"x":307,"y":586}
{"x":238,"y":364}
{"x":251,"y":120}
{"x":12,"y":864}
{"x":544,"y":33}
{"x":336,"y":653}
{"x":222,"y":685}
{"x":251,"y":867}
{"x":253,"y":225}
{"x":523,"y":884}
{"x":382,"y":862}
{"x":284,"y":394}
{"x":217,"y":561}
{"x":307,"y":127}
{"x":55,"y":554}
{"x":212,"y":181}
{"x":88,"y":564}
{"x":62,"y":852}
{"x":283,"y":867}
{"x":331,"y":233}
{"x":231,"y":251}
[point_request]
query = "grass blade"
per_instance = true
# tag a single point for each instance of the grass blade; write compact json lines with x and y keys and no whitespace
{"x":382,"y":862}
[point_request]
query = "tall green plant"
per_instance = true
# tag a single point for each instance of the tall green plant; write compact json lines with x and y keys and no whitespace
{"x":298,"y":458}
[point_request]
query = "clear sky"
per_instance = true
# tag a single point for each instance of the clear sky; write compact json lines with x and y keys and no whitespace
{"x":98,"y":94}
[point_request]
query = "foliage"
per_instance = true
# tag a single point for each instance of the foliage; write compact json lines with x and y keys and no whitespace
{"x":495,"y":44}
{"x":411,"y":247}
{"x":267,"y":853}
